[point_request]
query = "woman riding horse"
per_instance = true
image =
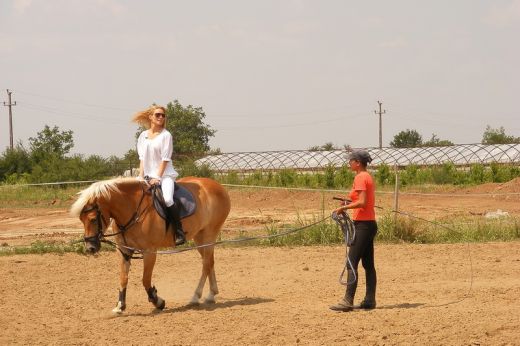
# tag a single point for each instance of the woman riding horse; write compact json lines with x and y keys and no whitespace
{"x":137,"y":226}
{"x":155,"y":149}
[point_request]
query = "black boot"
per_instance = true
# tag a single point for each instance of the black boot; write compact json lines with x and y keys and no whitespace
{"x":369,"y":302}
{"x":180,"y":237}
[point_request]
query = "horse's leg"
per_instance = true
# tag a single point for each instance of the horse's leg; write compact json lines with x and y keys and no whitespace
{"x":209,"y":261}
{"x":148,"y":263}
{"x":207,"y":271}
{"x":123,"y":279}
{"x":202,"y":281}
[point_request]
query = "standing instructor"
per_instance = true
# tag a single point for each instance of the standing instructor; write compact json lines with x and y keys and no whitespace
{"x":362,"y":196}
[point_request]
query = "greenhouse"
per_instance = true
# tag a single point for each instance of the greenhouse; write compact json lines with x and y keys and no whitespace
{"x":305,"y":160}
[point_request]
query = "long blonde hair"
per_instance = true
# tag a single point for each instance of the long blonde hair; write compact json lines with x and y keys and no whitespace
{"x":143,"y":117}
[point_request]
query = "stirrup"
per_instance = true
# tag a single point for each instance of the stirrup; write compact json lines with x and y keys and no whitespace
{"x":180,"y":237}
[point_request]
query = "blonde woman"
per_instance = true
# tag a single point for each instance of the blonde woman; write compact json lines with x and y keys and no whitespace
{"x":155,"y":149}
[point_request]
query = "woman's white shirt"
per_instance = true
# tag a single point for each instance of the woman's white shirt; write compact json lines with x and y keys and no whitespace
{"x":152,"y":152}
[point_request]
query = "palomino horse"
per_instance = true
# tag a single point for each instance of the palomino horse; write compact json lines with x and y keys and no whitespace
{"x":138,"y":226}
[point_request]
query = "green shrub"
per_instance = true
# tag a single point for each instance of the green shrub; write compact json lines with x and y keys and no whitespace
{"x":444,"y":174}
{"x":383,"y":175}
{"x":344,"y":178}
{"x":188,"y":168}
{"x":409,"y":176}
{"x":477,"y":174}
{"x":400,"y":228}
{"x":329,"y":175}
{"x":501,"y":173}
{"x":286,"y":177}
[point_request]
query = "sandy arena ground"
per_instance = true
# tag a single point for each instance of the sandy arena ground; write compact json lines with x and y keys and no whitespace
{"x":427,"y":294}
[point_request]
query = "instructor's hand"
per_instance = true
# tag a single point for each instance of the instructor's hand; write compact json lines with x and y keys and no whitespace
{"x":340,"y":210}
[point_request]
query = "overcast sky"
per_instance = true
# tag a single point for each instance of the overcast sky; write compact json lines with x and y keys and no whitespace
{"x":269,"y":74}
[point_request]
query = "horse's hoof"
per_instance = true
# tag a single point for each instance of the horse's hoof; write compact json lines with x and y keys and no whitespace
{"x":119,"y":308}
{"x":209,"y":300}
{"x":193,"y":303}
{"x":161,"y":304}
{"x":194,"y":300}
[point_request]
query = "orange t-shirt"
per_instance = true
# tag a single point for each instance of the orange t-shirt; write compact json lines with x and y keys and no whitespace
{"x":363,"y":182}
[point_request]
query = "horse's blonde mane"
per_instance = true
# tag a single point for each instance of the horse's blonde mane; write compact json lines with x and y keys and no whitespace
{"x":102,"y":188}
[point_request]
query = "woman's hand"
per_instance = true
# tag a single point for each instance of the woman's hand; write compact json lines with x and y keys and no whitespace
{"x":155,"y":181}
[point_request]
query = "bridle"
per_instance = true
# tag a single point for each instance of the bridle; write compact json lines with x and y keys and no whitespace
{"x":100,"y":221}
{"x":102,"y":224}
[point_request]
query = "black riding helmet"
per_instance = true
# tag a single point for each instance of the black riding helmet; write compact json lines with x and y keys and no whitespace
{"x":360,"y":155}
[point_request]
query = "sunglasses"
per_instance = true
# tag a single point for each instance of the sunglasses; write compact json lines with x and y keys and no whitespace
{"x":160,"y":115}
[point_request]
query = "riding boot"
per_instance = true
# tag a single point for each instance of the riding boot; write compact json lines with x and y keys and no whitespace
{"x":345,"y":305}
{"x":180,"y":237}
{"x":369,"y":302}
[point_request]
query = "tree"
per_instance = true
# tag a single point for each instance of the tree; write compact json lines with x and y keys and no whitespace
{"x":14,"y":161}
{"x":407,"y":139}
{"x":436,"y":142}
{"x":329,"y":146}
{"x":498,"y":136}
{"x":190,"y":134}
{"x":131,"y":156}
{"x":51,"y":143}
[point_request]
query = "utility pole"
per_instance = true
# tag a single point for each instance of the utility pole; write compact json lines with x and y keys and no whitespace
{"x":10,"y":105}
{"x":381,"y":112}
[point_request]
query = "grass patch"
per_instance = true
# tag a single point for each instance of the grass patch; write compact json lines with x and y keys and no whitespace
{"x":323,"y":233}
{"x":44,"y":247}
{"x":15,"y":196}
{"x":406,"y":229}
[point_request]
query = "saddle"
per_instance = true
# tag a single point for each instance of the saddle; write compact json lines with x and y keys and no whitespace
{"x":182,"y":198}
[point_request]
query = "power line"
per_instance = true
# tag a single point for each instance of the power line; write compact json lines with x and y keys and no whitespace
{"x":67,"y":114}
{"x":76,"y":102}
{"x":10,"y":105}
{"x":291,"y":125}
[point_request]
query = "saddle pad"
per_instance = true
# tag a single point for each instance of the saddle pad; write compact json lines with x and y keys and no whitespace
{"x":181,"y":196}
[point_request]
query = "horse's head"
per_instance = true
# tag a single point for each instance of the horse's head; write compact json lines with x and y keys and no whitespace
{"x":88,"y":207}
{"x":94,"y":224}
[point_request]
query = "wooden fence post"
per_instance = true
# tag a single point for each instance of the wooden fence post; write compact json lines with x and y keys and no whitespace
{"x":396,"y":194}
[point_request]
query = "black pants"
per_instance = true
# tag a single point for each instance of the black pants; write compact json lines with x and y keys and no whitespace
{"x":362,"y":249}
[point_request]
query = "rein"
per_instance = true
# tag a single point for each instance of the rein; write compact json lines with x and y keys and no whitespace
{"x":133,"y":219}
{"x":229,"y":241}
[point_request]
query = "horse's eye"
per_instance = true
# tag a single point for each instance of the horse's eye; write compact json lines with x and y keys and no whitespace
{"x":93,"y":221}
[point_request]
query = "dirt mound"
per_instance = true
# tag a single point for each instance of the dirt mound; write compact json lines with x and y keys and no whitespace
{"x":512,"y":186}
